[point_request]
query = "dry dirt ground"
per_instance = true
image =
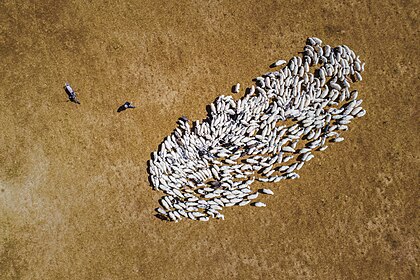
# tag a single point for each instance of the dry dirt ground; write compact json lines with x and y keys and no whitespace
{"x":75,"y":202}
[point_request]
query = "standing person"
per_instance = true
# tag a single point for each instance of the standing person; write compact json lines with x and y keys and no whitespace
{"x":126,"y":105}
{"x":71,"y":93}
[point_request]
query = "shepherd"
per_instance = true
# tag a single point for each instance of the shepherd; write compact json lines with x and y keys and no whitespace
{"x":126,"y":105}
{"x":71,"y":93}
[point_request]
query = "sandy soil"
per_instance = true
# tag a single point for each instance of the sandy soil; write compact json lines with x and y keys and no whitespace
{"x":75,"y":202}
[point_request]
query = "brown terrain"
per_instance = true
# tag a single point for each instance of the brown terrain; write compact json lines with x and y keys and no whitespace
{"x":75,"y":201}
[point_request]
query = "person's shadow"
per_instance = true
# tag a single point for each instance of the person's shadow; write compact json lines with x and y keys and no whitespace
{"x":121,"y":108}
